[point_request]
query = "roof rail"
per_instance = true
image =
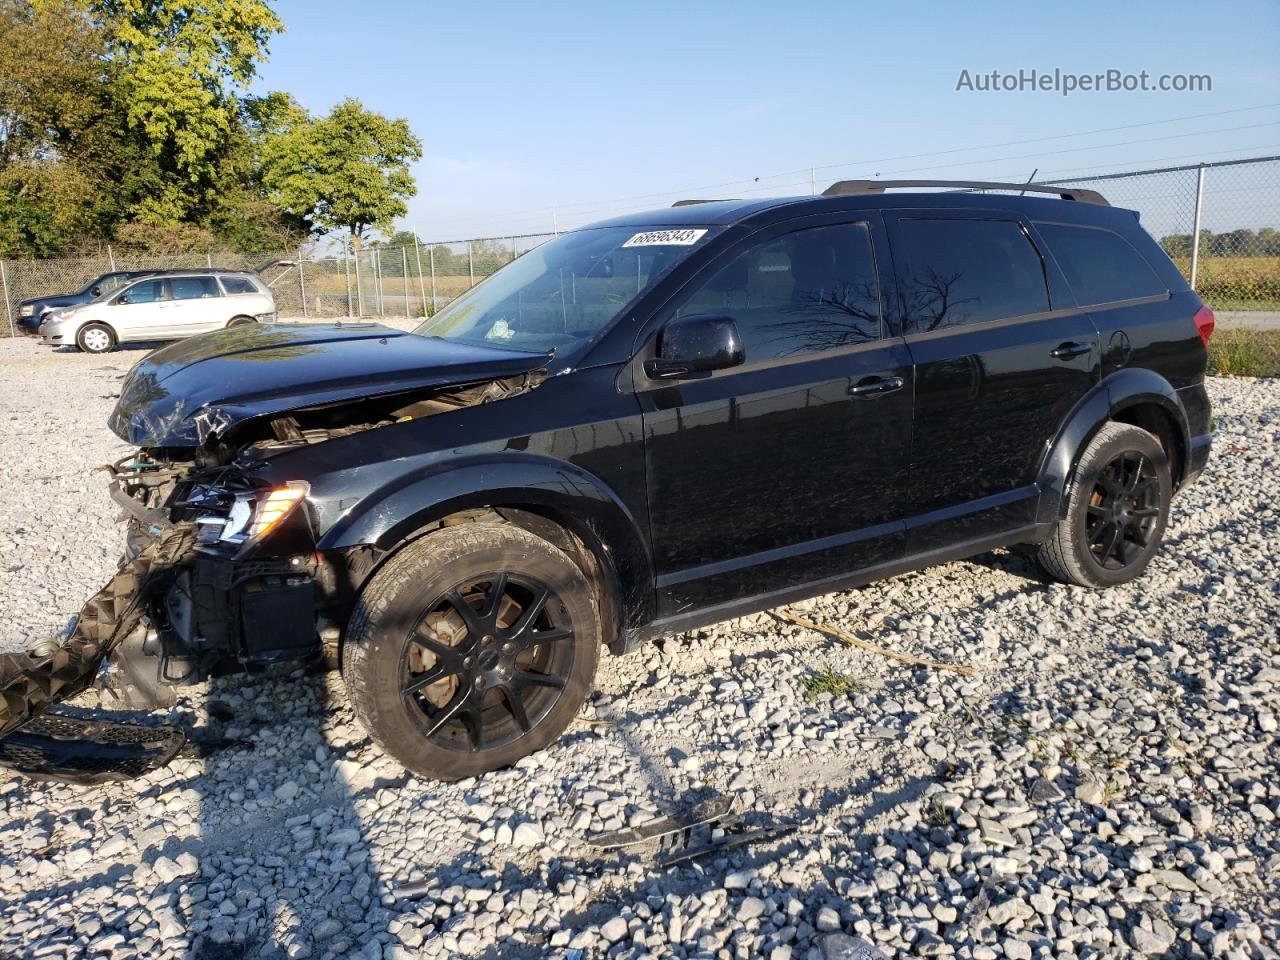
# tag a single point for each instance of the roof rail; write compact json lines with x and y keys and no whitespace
{"x":690,"y":203}
{"x":860,"y":188}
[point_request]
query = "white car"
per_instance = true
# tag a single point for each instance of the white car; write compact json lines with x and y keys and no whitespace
{"x":167,"y":306}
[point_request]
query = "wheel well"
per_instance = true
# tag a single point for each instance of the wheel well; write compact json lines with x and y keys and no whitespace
{"x":1158,"y":421}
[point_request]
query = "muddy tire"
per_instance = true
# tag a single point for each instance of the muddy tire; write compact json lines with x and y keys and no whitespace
{"x":1116,"y":513}
{"x":95,"y":338}
{"x":472,"y":648}
{"x":240,"y":321}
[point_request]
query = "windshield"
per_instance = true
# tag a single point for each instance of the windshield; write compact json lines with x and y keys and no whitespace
{"x":561,"y":295}
{"x":105,"y":284}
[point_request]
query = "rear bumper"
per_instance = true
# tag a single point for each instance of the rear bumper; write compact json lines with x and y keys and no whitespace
{"x":1197,"y":458}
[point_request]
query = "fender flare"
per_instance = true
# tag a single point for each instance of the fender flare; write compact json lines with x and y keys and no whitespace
{"x":585,"y":504}
{"x":1115,"y":393}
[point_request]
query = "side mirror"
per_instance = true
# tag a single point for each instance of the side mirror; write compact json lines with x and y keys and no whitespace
{"x":695,"y":344}
{"x":123,"y":298}
{"x":95,"y":291}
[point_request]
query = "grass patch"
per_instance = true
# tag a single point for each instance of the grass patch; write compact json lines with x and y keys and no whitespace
{"x":831,"y":681}
{"x":1244,"y":353}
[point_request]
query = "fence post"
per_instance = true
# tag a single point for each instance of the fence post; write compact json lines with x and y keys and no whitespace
{"x":377,"y":281}
{"x":209,"y":259}
{"x":422,"y":287}
{"x":1195,"y":225}
{"x":431,"y":258}
{"x":471,"y":264}
{"x":302,"y":287}
{"x":813,"y":181}
{"x":355,"y":258}
{"x":513,"y":249}
{"x":346,"y":271}
{"x":404,"y":266}
{"x":8,"y":308}
{"x":111,"y":257}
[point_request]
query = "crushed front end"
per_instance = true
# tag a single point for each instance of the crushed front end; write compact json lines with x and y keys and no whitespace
{"x":221,"y":571}
{"x":244,"y":595}
{"x":196,"y":594}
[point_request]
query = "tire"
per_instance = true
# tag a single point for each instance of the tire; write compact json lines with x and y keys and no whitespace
{"x":240,"y":321}
{"x":471,"y":671}
{"x":1116,"y":512}
{"x":95,"y":338}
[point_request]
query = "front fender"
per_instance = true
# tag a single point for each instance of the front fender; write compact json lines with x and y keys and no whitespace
{"x":1118,"y":391}
{"x":588,"y":506}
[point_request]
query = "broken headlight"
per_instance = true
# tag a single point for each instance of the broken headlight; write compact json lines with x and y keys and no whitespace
{"x":253,"y":515}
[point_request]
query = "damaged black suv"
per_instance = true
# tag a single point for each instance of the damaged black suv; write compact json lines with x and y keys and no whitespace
{"x":640,"y":427}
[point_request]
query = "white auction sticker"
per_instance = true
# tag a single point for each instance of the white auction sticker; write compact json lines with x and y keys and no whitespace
{"x":666,"y":238}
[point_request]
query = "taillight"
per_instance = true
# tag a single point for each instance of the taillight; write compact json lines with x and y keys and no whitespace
{"x":1204,"y":323}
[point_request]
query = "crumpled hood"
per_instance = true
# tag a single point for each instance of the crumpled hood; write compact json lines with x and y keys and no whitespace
{"x":201,"y":387}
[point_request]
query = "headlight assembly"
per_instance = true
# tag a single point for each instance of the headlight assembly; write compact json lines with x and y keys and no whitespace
{"x":254,"y":515}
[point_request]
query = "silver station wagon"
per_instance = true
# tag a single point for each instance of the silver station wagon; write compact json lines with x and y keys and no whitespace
{"x":167,"y":306}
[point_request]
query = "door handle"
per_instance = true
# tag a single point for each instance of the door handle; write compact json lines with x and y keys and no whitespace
{"x":1070,"y":349}
{"x":875,"y":386}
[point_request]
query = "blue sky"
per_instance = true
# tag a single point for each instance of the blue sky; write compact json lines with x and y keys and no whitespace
{"x":589,"y":109}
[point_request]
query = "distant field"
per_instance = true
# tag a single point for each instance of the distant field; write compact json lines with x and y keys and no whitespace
{"x":1237,"y":283}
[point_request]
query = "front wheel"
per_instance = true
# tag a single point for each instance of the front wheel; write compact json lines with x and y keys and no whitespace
{"x":95,"y":338}
{"x":240,"y":321}
{"x":1116,"y":512}
{"x":472,"y":648}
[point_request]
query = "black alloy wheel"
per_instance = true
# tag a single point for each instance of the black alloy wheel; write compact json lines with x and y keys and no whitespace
{"x":1123,"y":509}
{"x":1116,"y":511}
{"x":473,"y":647}
{"x":487,"y":661}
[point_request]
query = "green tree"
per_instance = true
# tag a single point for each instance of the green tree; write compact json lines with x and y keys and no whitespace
{"x":347,"y":170}
{"x":180,"y":67}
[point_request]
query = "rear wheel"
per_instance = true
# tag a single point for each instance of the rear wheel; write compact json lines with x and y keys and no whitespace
{"x":95,"y":338}
{"x":1116,"y":513}
{"x":472,"y":648}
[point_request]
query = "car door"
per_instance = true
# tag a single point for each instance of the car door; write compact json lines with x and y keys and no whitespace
{"x":197,"y":306}
{"x":140,"y":311}
{"x":788,"y":469}
{"x":1000,"y":354}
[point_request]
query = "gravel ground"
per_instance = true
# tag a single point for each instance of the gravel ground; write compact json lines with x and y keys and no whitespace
{"x":1104,"y":785}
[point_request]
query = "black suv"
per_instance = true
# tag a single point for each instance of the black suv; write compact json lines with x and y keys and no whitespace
{"x":645,"y":426}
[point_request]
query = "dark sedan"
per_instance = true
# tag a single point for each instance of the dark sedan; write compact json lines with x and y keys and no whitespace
{"x":31,"y":312}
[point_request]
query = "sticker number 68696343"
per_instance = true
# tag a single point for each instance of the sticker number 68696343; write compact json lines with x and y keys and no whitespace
{"x":666,"y":238}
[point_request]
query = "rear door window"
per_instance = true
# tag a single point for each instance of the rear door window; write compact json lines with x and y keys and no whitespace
{"x":959,"y":272}
{"x":238,"y":285}
{"x":194,"y":288}
{"x":806,"y":292}
{"x":1101,"y":266}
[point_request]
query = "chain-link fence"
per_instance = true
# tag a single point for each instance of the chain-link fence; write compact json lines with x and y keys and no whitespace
{"x":1220,"y":222}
